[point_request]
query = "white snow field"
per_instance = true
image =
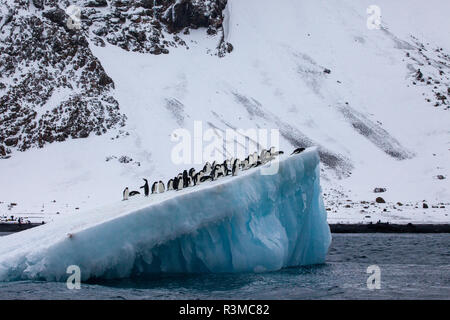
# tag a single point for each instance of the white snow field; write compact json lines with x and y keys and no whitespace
{"x":249,"y":223}
{"x":373,"y":126}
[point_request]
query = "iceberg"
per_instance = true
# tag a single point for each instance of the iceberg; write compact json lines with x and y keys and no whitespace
{"x":249,"y":223}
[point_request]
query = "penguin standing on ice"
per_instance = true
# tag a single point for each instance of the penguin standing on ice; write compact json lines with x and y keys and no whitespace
{"x":298,"y":150}
{"x":192,"y":172}
{"x":185,"y":179}
{"x":178,"y":185}
{"x":214,"y":174}
{"x":126,"y":194}
{"x":145,"y":187}
{"x":244,"y":164}
{"x":196,"y":179}
{"x":170,"y":185}
{"x":207,"y":168}
{"x":273,"y":153}
{"x":161,"y":187}
{"x":154,"y":187}
{"x":206,"y":178}
{"x":235,"y":169}
{"x":263,"y":156}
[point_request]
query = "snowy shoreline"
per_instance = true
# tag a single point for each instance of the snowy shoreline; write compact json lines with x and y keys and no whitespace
{"x":382,"y":227}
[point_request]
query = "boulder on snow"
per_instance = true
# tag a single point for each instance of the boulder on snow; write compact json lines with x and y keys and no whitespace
{"x":380,"y":200}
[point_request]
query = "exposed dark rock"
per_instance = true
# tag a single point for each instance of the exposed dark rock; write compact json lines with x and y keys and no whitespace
{"x":97,"y":3}
{"x":380,"y":200}
{"x":379,"y":190}
{"x":56,"y":15}
{"x":440,"y":177}
{"x":425,"y":206}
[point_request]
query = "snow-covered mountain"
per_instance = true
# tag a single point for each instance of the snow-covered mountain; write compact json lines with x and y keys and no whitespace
{"x":96,"y":108}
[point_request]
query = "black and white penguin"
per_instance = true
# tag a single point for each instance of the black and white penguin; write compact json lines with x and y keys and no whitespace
{"x":214,"y":174}
{"x":218,"y":169}
{"x":244,"y":164}
{"x":145,"y":187}
{"x":175,"y":183}
{"x":191,"y":172}
{"x":154,"y":187}
{"x":206,"y":178}
{"x":235,"y":169}
{"x":161,"y":187}
{"x":298,"y":150}
{"x":126,"y":194}
{"x":263,"y":155}
{"x":275,"y":153}
{"x":185,"y":179}
{"x":272,"y":151}
{"x":198,"y":177}
{"x":180,"y":183}
{"x":207,"y":168}
{"x":190,"y":181}
{"x":251,"y":160}
{"x":227,"y":165}
{"x":170,"y":185}
{"x":195,"y":179}
{"x":134,"y":193}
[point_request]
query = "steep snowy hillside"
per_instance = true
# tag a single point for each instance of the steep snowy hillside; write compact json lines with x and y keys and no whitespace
{"x":375,"y":101}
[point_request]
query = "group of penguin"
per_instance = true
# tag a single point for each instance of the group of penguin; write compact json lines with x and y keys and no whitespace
{"x":210,"y":172}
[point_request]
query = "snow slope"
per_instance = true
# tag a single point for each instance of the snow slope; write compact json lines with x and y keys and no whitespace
{"x":252,"y":222}
{"x":373,"y":126}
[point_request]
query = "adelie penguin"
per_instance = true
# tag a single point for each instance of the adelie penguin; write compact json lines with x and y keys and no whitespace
{"x":235,"y":169}
{"x":207,"y":168}
{"x":145,"y":187}
{"x":185,"y":179}
{"x":298,"y":150}
{"x":126,"y":194}
{"x":196,"y":179}
{"x":178,"y":182}
{"x":154,"y":187}
{"x":170,"y":185}
{"x":206,"y":178}
{"x":134,"y":193}
{"x":161,"y":187}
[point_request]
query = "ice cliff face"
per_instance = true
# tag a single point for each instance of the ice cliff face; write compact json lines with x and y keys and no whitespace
{"x":252,"y":222}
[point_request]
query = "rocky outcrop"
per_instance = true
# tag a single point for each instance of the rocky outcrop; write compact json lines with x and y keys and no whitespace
{"x":53,"y":88}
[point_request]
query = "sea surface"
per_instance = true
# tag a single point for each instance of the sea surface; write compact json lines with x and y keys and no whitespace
{"x":411,"y":266}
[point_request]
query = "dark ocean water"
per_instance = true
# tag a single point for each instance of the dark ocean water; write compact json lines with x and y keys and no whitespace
{"x":413,"y":266}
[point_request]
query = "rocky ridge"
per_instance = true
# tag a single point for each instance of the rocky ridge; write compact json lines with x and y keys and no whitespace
{"x":52,"y":87}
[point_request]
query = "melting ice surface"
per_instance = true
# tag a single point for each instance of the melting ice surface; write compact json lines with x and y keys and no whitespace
{"x":249,"y":223}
